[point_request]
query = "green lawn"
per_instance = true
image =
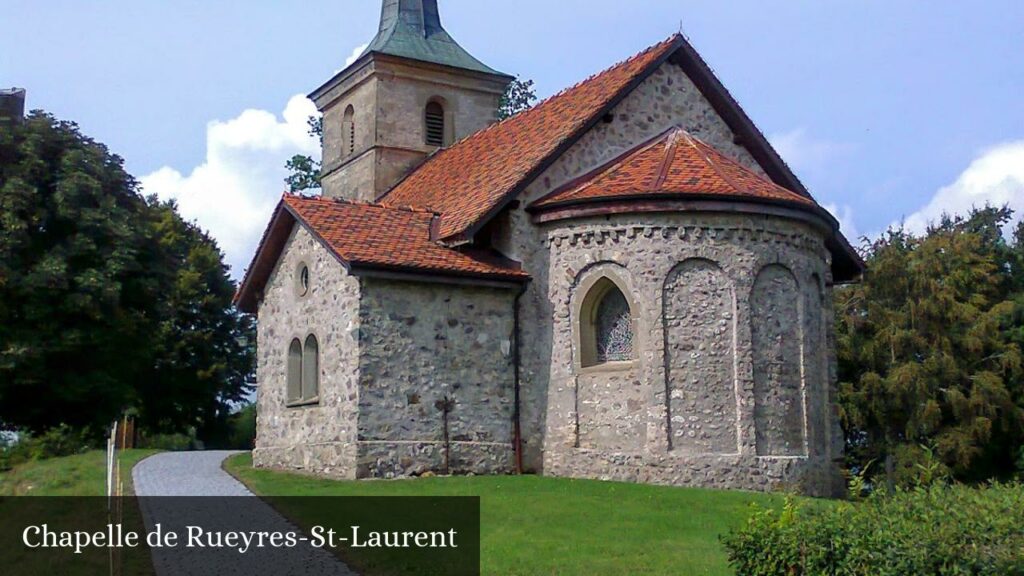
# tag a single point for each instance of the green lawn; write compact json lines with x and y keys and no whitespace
{"x":80,"y":475}
{"x":538,"y":526}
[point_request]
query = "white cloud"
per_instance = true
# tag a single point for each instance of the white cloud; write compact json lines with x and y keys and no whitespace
{"x":805,"y":153}
{"x":356,"y":53}
{"x":996,"y":177}
{"x":233,"y":192}
{"x":816,"y":158}
{"x":844,"y":214}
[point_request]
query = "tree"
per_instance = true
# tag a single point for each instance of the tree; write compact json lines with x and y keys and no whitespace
{"x":929,"y":349}
{"x":518,"y":97}
{"x":109,"y":301}
{"x":305,"y":171}
{"x":203,"y":358}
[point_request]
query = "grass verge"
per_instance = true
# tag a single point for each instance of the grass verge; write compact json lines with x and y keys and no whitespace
{"x":533,"y":525}
{"x":79,"y":475}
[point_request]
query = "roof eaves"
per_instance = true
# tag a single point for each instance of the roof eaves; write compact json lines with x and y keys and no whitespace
{"x":256,"y":275}
{"x":340,"y":77}
{"x":360,"y":268}
{"x":800,"y":205}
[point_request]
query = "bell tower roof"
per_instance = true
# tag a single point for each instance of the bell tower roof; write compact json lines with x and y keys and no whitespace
{"x":412,"y":29}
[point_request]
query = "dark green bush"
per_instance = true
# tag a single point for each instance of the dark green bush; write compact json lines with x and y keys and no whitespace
{"x":169,"y":442}
{"x":940,"y":530}
{"x":55,"y":442}
{"x":7,"y":453}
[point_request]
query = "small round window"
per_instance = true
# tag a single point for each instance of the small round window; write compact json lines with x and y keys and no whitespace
{"x":303,"y":280}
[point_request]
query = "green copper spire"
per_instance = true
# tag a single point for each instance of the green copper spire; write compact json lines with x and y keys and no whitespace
{"x":412,"y":29}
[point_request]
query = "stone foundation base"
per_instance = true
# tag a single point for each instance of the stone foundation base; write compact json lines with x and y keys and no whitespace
{"x":404,"y":459}
{"x":744,"y":472}
{"x":813,"y":477}
{"x":332,"y":460}
{"x":388,"y":459}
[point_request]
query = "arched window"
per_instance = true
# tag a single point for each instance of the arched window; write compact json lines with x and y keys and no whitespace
{"x":295,"y":371}
{"x":606,"y":325}
{"x":310,"y":369}
{"x":434,"y":121}
{"x":348,"y":129}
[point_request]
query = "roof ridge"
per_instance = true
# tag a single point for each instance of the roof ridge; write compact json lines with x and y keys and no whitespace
{"x":671,"y":144}
{"x":700,"y":146}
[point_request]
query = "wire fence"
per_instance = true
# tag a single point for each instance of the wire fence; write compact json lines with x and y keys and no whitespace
{"x":122,"y":436}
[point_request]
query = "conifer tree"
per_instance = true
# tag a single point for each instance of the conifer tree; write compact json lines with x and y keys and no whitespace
{"x":929,"y":349}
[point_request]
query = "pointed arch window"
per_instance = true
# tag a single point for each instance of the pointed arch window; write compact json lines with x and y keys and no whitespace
{"x":433,"y":118}
{"x":607,"y":327}
{"x":348,"y":129}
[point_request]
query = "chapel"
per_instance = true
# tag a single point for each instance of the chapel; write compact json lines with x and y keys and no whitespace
{"x":624,"y":282}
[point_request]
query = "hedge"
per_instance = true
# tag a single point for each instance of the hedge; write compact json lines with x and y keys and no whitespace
{"x":944,"y":530}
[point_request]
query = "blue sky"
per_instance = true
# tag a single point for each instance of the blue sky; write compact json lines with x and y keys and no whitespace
{"x":885,"y":109}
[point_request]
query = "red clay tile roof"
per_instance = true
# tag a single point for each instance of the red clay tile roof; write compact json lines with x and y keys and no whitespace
{"x":672,"y":164}
{"x":368,"y":236}
{"x":395,"y":238}
{"x":469,"y":180}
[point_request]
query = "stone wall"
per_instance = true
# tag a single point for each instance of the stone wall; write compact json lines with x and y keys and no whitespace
{"x":724,"y":373}
{"x":350,"y":175}
{"x":318,"y":437}
{"x":667,"y":98}
{"x":699,"y":322}
{"x":420,"y":345}
{"x":778,"y":348}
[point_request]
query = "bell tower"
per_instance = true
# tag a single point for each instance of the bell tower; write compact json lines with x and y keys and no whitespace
{"x":412,"y":91}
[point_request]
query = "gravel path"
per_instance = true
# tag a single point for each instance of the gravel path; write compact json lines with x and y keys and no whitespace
{"x":186,"y":474}
{"x":232,"y":508}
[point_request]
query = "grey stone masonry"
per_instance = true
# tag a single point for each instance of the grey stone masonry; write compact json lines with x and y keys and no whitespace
{"x":435,"y":363}
{"x":317,"y":436}
{"x":667,"y":98}
{"x":412,"y":375}
{"x":728,"y":388}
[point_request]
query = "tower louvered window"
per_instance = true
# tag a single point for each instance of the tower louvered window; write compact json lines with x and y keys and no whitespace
{"x":435,"y":124}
